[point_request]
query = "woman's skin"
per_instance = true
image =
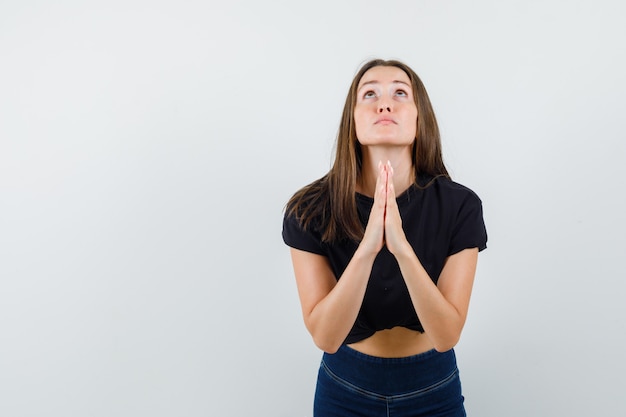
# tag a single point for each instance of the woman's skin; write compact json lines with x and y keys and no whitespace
{"x":386,"y":121}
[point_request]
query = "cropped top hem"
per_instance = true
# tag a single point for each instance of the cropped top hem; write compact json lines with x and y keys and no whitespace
{"x":362,"y":334}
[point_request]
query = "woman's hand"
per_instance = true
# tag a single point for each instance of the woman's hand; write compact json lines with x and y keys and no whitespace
{"x":374,"y":237}
{"x":384,"y":226}
{"x":395,"y":239}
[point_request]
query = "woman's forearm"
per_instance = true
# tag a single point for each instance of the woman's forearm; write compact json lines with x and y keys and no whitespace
{"x":333,"y":317}
{"x":441,"y":320}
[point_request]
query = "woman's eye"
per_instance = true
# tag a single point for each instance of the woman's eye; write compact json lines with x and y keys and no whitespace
{"x":401,"y":93}
{"x":369,"y":94}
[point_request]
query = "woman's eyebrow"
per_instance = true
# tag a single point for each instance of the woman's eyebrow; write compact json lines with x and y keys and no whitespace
{"x":378,"y":82}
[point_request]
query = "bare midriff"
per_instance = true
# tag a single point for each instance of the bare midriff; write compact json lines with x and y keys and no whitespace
{"x":398,"y":342}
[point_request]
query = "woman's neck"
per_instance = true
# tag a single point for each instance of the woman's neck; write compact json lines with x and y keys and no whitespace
{"x":400,"y":159}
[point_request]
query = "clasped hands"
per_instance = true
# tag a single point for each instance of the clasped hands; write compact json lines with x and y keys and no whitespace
{"x":384,"y":227}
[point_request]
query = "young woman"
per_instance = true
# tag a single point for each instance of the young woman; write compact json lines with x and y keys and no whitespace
{"x":384,"y":250}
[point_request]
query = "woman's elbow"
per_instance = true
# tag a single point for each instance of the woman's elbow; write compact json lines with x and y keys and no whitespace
{"x":328,"y":346}
{"x":445,"y":344}
{"x":442,"y":347}
{"x":324,"y":340}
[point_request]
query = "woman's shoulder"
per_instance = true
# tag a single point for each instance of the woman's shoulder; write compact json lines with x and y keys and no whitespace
{"x":309,"y":207}
{"x":304,"y":218}
{"x":448,"y":188}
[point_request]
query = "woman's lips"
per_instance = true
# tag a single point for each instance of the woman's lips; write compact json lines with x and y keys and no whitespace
{"x":384,"y":121}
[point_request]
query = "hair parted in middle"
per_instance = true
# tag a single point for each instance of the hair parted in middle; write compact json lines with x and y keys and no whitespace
{"x":329,"y":203}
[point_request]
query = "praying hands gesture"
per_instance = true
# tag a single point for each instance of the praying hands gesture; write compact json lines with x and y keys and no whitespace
{"x":441,"y":307}
{"x":384,"y":227}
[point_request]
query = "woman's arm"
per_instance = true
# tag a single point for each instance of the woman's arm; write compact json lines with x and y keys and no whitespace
{"x":330,"y":306}
{"x":442,"y":308}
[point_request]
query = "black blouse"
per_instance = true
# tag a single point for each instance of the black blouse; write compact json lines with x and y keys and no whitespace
{"x":439,"y":220}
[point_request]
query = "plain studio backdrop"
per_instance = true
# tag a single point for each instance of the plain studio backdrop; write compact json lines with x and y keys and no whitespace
{"x":147,"y":149}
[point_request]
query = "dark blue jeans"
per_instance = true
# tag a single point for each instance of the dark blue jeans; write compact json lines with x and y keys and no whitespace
{"x":351,"y":383}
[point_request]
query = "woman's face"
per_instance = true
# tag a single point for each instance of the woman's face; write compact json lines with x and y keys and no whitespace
{"x":385,"y":111}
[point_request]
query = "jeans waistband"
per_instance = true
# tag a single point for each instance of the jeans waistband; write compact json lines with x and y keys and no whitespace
{"x":390,"y":376}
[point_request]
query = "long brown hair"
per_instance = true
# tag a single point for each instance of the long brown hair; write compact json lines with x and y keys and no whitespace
{"x":329,"y":203}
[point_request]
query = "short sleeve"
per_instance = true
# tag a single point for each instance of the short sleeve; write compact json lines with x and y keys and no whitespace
{"x":469,"y":230}
{"x":297,"y":237}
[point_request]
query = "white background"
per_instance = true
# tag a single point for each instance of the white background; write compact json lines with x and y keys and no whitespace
{"x":147,"y":149}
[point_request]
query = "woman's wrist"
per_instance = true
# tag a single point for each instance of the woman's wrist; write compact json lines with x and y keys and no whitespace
{"x":403,"y":251}
{"x":365,"y":253}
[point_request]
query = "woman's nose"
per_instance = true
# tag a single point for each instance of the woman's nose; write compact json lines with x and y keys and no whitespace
{"x":383,"y":105}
